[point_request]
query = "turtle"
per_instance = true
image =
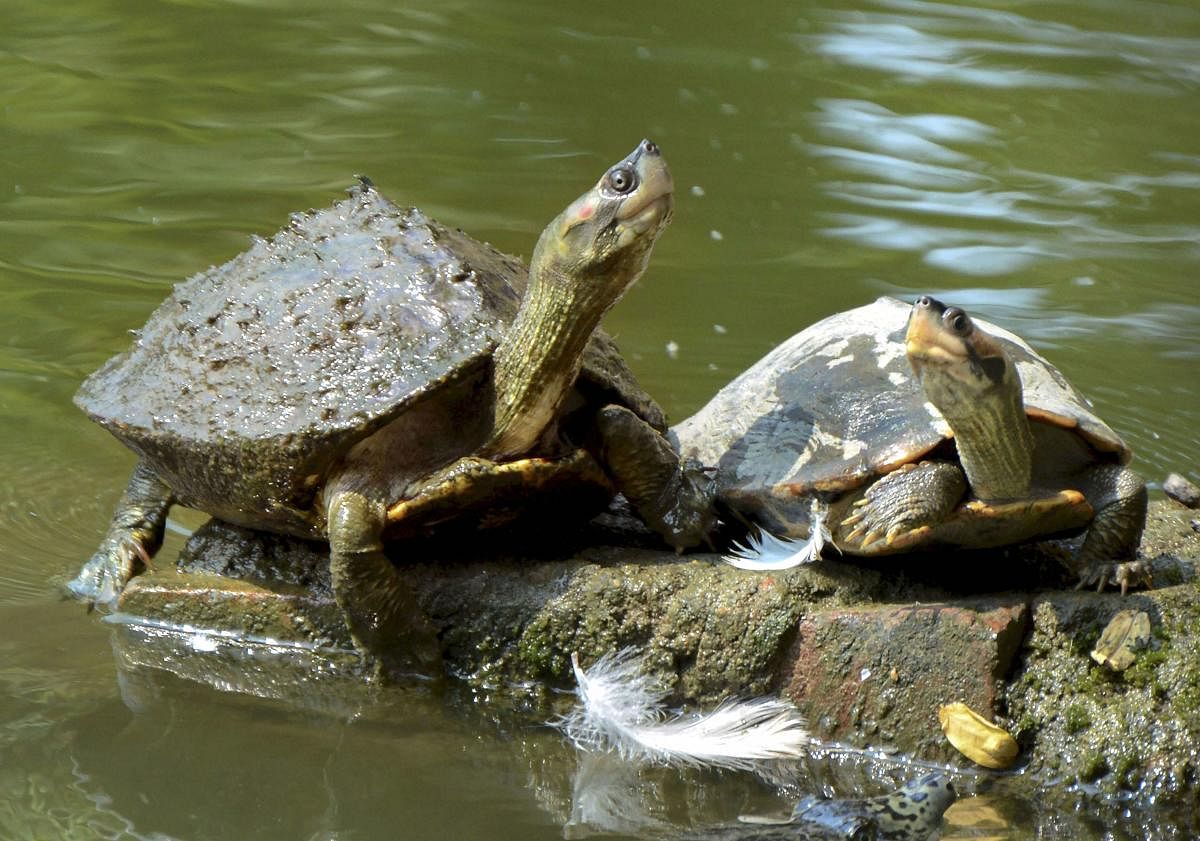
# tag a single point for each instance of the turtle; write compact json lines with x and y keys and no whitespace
{"x":889,"y":427}
{"x":912,"y":812}
{"x":368,"y":374}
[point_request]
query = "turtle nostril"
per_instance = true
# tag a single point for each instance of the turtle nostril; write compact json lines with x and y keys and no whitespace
{"x":649,"y":147}
{"x":924,"y":301}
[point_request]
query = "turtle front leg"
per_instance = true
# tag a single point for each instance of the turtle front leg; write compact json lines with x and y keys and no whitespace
{"x":900,"y":509}
{"x":1109,"y":551}
{"x":134,"y":535}
{"x":389,"y":627}
{"x":673,"y":497}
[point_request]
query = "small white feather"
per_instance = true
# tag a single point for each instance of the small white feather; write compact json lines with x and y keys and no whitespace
{"x":765,"y":551}
{"x":621,"y":709}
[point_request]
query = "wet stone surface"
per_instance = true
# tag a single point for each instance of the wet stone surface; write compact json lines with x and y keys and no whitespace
{"x":877,"y":674}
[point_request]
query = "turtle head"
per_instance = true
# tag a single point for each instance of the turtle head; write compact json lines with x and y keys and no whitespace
{"x":943,"y":343}
{"x":584,"y":261}
{"x":973,"y":383}
{"x":600,"y":244}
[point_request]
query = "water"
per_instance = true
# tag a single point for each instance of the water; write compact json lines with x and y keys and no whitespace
{"x":1037,"y":163}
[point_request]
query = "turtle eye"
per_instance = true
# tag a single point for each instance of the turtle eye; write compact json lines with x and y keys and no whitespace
{"x":622,"y":179}
{"x":957,"y":320}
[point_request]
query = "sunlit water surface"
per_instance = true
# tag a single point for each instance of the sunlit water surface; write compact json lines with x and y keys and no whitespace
{"x":1038,"y":163}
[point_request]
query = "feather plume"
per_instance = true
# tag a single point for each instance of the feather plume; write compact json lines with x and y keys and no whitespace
{"x":765,"y":551}
{"x":621,"y":709}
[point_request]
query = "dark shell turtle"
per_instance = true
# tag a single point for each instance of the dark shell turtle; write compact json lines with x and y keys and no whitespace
{"x":838,"y":408}
{"x":370,"y":372}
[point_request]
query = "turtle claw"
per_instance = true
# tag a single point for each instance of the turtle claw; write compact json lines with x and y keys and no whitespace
{"x":1125,"y":575}
{"x":854,"y":535}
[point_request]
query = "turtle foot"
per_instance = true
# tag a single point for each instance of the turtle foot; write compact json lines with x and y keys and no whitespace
{"x":689,"y":518}
{"x":899,"y":510}
{"x":103,"y":577}
{"x":1125,"y":575}
{"x":395,"y":638}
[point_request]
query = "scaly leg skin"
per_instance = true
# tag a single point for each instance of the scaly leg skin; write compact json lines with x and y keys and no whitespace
{"x":674,"y":498}
{"x":134,"y":535}
{"x":900,"y":508}
{"x":1119,"y":497}
{"x":390,"y":629}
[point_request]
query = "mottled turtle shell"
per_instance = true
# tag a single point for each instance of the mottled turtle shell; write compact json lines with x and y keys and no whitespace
{"x":837,"y":405}
{"x":253,"y":377}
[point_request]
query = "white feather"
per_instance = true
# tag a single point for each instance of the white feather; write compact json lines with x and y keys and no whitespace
{"x":621,"y":709}
{"x":765,"y":551}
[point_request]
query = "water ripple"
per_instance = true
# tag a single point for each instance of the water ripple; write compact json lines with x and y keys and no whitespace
{"x":940,"y":42}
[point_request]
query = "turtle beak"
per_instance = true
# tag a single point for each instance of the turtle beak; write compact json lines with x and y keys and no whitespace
{"x":651,"y":204}
{"x":926,"y":340}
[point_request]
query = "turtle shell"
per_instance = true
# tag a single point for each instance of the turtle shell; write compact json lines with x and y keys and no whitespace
{"x":253,"y":377}
{"x":837,"y":405}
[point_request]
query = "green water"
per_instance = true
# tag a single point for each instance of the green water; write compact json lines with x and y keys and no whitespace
{"x":1036,"y":162}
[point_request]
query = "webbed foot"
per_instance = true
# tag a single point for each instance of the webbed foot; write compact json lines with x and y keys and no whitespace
{"x":673,"y":496}
{"x":134,"y":535}
{"x":1119,"y":497}
{"x":899,"y":510}
{"x":120,"y":557}
{"x":390,"y":630}
{"x":1125,"y":575}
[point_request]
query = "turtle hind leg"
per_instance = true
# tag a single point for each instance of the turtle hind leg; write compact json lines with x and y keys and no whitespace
{"x":1109,"y":551}
{"x":901,"y":509}
{"x":389,"y":627}
{"x":674,"y":497}
{"x":134,"y":535}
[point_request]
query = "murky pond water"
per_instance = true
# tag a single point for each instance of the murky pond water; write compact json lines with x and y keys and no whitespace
{"x":1037,"y":163}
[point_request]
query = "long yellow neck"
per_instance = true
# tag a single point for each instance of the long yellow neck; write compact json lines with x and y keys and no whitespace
{"x":538,"y":361}
{"x":995,"y":445}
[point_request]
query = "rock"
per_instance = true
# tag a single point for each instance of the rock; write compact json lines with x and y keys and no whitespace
{"x":866,"y":674}
{"x":277,"y":611}
{"x":869,"y":653}
{"x":706,"y":629}
{"x":1135,"y":732}
{"x":1182,"y":491}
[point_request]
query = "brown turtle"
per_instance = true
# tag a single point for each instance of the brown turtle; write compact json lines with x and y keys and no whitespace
{"x":914,"y":427}
{"x":369,"y":373}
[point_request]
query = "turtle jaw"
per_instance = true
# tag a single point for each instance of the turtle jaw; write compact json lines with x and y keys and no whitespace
{"x":925,"y":342}
{"x":976,"y":388}
{"x":649,"y":210}
{"x":584,"y":262}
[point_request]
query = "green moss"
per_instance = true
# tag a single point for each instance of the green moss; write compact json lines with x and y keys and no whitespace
{"x":1076,"y":719}
{"x":1092,"y":766}
{"x":1144,"y":673}
{"x":1126,"y":769}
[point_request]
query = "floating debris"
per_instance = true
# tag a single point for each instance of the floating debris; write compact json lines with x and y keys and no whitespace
{"x":977,"y":738}
{"x":621,"y":709}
